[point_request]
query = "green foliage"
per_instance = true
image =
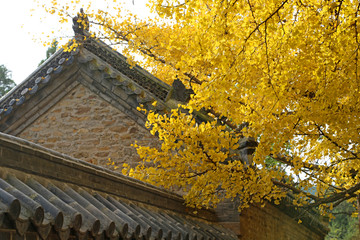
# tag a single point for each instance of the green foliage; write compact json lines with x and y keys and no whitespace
{"x":6,"y":83}
{"x":344,"y":226}
{"x":50,"y":51}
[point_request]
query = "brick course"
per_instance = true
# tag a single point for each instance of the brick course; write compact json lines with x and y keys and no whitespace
{"x":84,"y":126}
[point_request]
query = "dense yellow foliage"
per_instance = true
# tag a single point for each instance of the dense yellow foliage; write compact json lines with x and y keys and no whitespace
{"x":288,"y":68}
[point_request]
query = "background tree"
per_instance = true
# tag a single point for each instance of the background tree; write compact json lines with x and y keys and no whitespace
{"x":344,"y":226}
{"x":6,"y":83}
{"x":283,"y":72}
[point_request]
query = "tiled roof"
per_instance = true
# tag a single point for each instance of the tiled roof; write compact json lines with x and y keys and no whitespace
{"x":40,"y":78}
{"x":137,"y":81}
{"x":48,"y":192}
{"x":65,"y":209}
{"x":136,"y":73}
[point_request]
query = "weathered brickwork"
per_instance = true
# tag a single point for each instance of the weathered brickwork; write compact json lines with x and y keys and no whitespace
{"x":84,"y":126}
{"x":268,"y":223}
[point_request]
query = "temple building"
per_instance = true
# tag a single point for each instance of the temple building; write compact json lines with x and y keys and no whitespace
{"x":57,"y":130}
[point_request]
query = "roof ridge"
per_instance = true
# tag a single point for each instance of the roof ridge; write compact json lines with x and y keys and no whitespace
{"x":41,"y":76}
{"x":136,"y":73}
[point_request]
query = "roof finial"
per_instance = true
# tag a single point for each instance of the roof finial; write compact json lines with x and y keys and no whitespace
{"x":80,"y":23}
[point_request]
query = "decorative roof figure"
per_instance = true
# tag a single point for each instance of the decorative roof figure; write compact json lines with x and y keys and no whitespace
{"x":80,"y":23}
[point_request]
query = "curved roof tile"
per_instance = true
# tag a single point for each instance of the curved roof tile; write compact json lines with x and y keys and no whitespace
{"x":51,"y":193}
{"x":64,"y":208}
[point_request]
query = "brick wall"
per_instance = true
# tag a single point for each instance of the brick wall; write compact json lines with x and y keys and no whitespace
{"x":269,"y":223}
{"x":84,"y":126}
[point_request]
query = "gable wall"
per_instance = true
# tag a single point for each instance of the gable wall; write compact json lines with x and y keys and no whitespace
{"x":84,"y":126}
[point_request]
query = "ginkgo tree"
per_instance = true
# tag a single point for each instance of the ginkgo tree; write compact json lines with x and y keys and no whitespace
{"x":282,"y":72}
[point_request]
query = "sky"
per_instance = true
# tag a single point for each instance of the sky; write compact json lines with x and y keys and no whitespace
{"x":23,"y":28}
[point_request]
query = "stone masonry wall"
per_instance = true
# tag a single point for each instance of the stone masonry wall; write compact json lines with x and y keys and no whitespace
{"x":84,"y":126}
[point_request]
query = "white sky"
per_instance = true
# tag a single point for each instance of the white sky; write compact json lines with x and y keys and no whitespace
{"x":21,"y":49}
